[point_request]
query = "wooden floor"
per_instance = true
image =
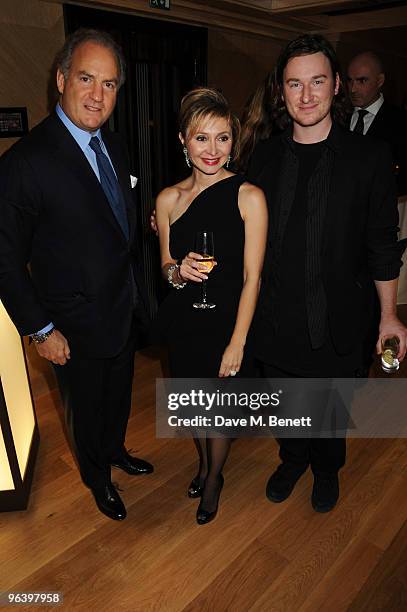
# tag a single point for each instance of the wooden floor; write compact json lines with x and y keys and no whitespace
{"x":255,"y":556}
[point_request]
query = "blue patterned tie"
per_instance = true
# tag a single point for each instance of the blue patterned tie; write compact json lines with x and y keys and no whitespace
{"x":110,"y":185}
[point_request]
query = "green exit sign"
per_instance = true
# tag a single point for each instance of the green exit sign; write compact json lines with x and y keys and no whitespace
{"x":160,"y":4}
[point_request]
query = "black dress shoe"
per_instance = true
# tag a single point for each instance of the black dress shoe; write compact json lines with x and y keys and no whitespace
{"x":281,"y":484}
{"x":325,"y":492}
{"x":109,"y":502}
{"x":204,"y":516}
{"x":132,"y":465}
{"x":195,"y":489}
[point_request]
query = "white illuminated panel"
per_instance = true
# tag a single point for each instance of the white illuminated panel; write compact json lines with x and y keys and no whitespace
{"x":6,"y":479}
{"x":16,"y":390}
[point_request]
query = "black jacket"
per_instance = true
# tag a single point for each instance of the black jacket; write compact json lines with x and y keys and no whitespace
{"x":359,"y":243}
{"x":55,"y":216}
{"x":390,"y":125}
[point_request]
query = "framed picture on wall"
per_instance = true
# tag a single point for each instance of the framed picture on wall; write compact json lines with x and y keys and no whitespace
{"x":13,"y":122}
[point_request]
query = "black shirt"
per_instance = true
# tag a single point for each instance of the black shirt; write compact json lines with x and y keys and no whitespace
{"x":288,"y":345}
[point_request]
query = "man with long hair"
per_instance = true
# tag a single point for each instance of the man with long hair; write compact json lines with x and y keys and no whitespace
{"x":332,"y":244}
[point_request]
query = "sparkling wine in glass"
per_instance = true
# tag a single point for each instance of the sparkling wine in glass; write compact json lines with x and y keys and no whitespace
{"x":204,"y":245}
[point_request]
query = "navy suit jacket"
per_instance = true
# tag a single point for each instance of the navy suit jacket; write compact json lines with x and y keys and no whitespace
{"x":390,"y":125}
{"x":55,"y":217}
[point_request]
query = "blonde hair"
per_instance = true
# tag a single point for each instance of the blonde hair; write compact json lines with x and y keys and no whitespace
{"x":257,"y":123}
{"x":204,"y":103}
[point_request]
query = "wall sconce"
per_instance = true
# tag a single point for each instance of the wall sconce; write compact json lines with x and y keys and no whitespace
{"x":19,"y":435}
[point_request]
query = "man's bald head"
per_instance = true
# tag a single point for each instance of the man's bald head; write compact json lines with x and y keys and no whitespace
{"x":365,"y":78}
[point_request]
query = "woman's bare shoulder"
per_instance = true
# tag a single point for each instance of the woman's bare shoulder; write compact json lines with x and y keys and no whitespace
{"x":170,"y":196}
{"x":250,"y":191}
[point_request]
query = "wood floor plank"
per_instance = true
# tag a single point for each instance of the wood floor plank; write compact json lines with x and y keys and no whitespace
{"x":392,"y":504}
{"x":158,"y":543}
{"x":344,"y":579}
{"x":256,"y":555}
{"x":63,"y":512}
{"x":386,"y":588}
{"x":294,"y":529}
{"x":241,"y":582}
{"x":315,"y":557}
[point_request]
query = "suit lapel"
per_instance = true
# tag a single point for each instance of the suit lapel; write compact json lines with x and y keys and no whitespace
{"x":336,"y":193}
{"x":377,"y":127}
{"x":74,"y":161}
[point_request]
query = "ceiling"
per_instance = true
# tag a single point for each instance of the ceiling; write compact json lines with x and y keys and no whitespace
{"x":324,"y":15}
{"x":280,"y":19}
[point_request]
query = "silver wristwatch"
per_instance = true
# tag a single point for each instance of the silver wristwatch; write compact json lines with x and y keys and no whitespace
{"x":40,"y":338}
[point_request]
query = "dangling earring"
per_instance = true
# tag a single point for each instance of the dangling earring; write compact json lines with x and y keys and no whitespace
{"x":228,"y":161}
{"x":187,"y":160}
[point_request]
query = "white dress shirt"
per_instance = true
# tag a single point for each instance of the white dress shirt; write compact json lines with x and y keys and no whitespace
{"x":372,"y":111}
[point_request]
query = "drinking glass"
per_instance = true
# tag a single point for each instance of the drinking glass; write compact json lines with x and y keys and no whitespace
{"x":390,"y":348}
{"x":204,"y":245}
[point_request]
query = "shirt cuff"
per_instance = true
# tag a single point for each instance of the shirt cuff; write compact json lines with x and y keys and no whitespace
{"x":44,"y":330}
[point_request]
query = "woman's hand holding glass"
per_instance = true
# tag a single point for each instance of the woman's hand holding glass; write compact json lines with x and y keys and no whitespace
{"x":192,"y":268}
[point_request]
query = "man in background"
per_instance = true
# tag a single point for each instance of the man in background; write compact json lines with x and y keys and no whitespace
{"x":373,"y":115}
{"x":66,"y":208}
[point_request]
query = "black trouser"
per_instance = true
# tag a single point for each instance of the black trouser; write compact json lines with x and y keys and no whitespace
{"x":96,"y":394}
{"x":325,"y":455}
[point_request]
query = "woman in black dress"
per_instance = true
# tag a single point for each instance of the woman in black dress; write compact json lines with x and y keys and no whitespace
{"x":210,"y":343}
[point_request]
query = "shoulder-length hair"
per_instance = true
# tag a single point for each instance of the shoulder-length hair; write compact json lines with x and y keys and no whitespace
{"x":266,"y":111}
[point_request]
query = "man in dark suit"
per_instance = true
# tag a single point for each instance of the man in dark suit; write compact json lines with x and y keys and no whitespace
{"x":333,"y":243}
{"x":375,"y":117}
{"x":66,"y":208}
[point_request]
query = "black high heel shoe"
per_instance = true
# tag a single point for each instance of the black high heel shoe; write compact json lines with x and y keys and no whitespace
{"x":204,"y":516}
{"x":195,"y":489}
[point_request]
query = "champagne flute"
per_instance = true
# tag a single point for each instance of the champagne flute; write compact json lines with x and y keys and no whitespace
{"x":204,"y":246}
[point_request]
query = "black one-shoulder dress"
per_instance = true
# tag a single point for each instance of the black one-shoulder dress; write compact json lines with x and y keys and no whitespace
{"x":196,"y":339}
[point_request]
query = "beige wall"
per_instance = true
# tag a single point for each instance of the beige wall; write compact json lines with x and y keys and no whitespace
{"x":31,"y":32}
{"x":238,"y":63}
